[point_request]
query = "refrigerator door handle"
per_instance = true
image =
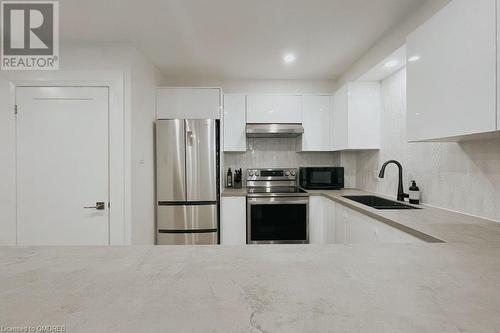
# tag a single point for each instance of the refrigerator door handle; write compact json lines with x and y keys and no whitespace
{"x":189,"y":135}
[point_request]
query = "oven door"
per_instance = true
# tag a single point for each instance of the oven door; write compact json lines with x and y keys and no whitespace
{"x":278,"y":220}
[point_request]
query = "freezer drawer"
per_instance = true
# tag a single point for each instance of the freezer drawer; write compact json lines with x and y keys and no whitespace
{"x":199,"y":238}
{"x":187,"y":217}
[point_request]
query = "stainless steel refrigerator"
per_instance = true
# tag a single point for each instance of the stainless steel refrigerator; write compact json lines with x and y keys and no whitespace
{"x":187,"y":176}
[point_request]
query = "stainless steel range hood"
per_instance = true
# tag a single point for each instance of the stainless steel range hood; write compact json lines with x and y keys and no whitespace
{"x":274,"y":130}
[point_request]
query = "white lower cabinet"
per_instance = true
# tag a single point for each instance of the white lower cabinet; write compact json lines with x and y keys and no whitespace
{"x":334,"y":223}
{"x":233,"y":220}
{"x":321,"y":230}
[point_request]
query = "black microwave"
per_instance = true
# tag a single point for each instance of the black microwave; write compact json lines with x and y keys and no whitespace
{"x":321,"y":177}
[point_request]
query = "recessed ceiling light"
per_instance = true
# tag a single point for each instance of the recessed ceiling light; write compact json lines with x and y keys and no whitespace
{"x":289,"y":58}
{"x":414,"y":58}
{"x":391,"y":63}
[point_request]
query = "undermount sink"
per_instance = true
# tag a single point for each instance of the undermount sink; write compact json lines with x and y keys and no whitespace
{"x":378,"y":202}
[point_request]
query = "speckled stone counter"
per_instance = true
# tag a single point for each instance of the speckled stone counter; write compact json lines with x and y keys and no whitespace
{"x":452,"y":287}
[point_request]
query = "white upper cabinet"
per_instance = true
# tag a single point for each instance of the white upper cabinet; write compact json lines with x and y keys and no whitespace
{"x":234,"y":122}
{"x":316,"y":119}
{"x":274,"y":109}
{"x":451,"y":72}
{"x":188,"y":103}
{"x":356,"y":116}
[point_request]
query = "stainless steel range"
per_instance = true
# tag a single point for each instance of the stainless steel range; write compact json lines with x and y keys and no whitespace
{"x":277,"y":209}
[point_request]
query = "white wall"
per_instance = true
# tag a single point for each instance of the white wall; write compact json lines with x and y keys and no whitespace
{"x":144,"y":77}
{"x":464,"y":177}
{"x":92,"y":58}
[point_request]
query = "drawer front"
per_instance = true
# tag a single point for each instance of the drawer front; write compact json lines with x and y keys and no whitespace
{"x":187,"y":217}
{"x":205,"y":238}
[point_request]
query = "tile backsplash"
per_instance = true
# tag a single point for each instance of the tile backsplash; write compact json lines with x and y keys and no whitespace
{"x":278,"y":152}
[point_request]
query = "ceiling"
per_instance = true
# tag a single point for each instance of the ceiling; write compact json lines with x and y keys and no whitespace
{"x":239,"y":39}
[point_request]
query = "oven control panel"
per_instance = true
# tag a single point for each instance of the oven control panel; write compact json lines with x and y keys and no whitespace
{"x":272,"y":174}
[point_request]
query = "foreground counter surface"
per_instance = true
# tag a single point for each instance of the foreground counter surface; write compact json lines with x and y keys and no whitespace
{"x":440,"y":287}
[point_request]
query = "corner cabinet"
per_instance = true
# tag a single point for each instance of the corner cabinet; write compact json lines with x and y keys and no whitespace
{"x":356,"y":117}
{"x":316,"y":119}
{"x":234,"y":121}
{"x":452,"y":73}
{"x":188,"y":103}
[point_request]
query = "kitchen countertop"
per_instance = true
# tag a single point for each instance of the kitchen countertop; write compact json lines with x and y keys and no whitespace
{"x":450,"y":287}
{"x":428,"y":223}
{"x":234,"y":192}
{"x":439,"y":224}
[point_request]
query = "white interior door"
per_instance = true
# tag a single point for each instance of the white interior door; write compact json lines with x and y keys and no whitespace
{"x":62,"y":165}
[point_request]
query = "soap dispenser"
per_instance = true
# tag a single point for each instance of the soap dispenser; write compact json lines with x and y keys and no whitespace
{"x":414,"y":192}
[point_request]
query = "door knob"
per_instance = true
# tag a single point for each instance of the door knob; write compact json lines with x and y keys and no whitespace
{"x":98,"y":205}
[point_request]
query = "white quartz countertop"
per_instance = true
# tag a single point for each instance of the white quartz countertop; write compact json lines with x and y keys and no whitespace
{"x":445,"y":287}
{"x":428,"y":223}
{"x":440,"y":224}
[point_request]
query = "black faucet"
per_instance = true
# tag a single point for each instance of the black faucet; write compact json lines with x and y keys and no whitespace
{"x":401,"y":194}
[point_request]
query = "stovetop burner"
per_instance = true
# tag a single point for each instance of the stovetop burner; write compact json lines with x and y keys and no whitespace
{"x":275,"y":182}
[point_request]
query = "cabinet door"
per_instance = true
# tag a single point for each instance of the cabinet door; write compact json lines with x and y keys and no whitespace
{"x":451,"y":82}
{"x":340,"y":119}
{"x":316,"y":220}
{"x":316,"y":112}
{"x":274,"y":109}
{"x":363,"y":126}
{"x":233,"y":220}
{"x":234,"y":122}
{"x":188,"y":103}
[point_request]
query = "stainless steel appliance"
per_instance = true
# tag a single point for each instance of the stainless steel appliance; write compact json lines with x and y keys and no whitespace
{"x":322,"y":178}
{"x":277,"y":209}
{"x":274,"y":130}
{"x":187,"y":176}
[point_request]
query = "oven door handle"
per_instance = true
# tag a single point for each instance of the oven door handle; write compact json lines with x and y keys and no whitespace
{"x":277,"y":200}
